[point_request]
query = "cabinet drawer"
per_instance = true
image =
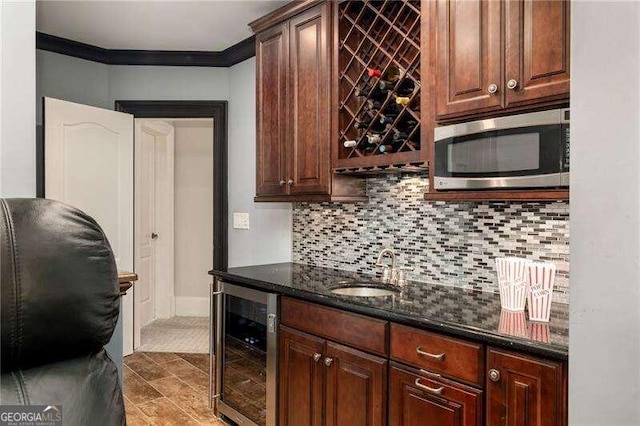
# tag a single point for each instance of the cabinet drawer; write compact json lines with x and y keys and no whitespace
{"x":416,"y":398}
{"x":368,"y":334}
{"x":439,"y":354}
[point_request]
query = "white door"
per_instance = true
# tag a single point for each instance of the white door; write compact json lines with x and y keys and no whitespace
{"x":89,"y":165}
{"x":153,"y":252}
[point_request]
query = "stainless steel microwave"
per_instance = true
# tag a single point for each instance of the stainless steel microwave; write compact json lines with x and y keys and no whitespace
{"x":519,"y":151}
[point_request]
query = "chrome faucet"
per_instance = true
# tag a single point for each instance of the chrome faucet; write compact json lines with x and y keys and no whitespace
{"x":391,"y":273}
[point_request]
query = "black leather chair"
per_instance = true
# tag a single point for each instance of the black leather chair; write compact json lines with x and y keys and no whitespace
{"x":60,"y":304}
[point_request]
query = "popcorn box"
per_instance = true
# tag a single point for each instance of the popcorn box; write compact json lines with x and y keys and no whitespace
{"x":541,"y":277}
{"x":512,"y":282}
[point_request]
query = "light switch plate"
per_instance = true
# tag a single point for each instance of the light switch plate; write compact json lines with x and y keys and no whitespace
{"x":241,"y":221}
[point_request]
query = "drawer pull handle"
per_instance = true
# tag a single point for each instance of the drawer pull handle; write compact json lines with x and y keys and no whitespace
{"x":436,"y":391}
{"x":437,"y":357}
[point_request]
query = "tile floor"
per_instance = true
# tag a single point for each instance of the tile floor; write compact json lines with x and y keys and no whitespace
{"x":167,"y":389}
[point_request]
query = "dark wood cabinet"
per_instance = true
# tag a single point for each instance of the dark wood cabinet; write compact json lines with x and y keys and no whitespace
{"x":272,"y":52}
{"x":356,"y":387}
{"x":537,"y":50}
{"x":293,"y":87}
{"x":524,"y":391}
{"x":469,"y":58}
{"x":419,"y":399}
{"x":323,"y":382}
{"x":301,"y":378}
{"x":497,"y":55}
{"x":309,"y":101}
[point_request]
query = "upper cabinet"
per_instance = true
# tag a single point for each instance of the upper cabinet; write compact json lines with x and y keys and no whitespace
{"x":494,"y":55}
{"x":537,"y":51}
{"x":293,"y":93}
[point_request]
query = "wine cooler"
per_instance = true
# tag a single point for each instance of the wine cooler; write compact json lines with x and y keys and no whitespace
{"x":243,"y":354}
{"x":379,"y":87}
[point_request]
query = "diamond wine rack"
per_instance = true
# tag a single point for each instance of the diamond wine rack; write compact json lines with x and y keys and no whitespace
{"x":379,"y":86}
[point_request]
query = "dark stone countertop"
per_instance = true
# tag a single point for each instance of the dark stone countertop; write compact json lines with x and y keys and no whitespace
{"x":455,"y":311}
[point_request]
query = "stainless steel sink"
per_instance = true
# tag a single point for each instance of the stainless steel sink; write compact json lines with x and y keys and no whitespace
{"x":365,"y":290}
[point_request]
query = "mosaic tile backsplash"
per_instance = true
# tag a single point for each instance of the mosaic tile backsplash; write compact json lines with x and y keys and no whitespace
{"x":445,"y":243}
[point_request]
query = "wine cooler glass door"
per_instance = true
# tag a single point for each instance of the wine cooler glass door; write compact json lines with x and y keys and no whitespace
{"x":247,"y":355}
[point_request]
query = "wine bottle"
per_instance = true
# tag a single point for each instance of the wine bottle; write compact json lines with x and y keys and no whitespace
{"x":405,"y":87}
{"x":399,"y":136}
{"x":362,"y":124}
{"x":373,"y":105}
{"x":403,"y":100}
{"x":385,"y":148}
{"x":388,"y":119}
{"x":350,"y":143}
{"x":378,"y":94}
{"x":373,"y":139}
{"x":374,"y":72}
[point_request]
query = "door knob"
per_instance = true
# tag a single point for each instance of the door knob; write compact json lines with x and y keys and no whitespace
{"x":154,"y":236}
{"x":494,"y":375}
{"x":316,"y":357}
{"x":328,"y":361}
{"x":512,"y":84}
{"x":493,"y":88}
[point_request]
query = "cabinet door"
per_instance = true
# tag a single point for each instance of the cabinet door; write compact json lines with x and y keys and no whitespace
{"x":537,"y":50}
{"x":272,"y":52}
{"x":301,"y":378}
{"x":309,"y":148}
{"x":356,"y":387}
{"x":524,"y":391}
{"x":469,"y":56}
{"x":420,"y":400}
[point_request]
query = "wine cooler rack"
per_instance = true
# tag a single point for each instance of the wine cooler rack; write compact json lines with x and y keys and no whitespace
{"x":378,"y":67}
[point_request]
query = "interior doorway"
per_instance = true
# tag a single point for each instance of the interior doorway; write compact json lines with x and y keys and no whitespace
{"x":174,"y":233}
{"x":181,"y":192}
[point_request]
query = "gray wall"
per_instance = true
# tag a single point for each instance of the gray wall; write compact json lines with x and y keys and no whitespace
{"x":604,"y":367}
{"x":17,"y":99}
{"x":167,"y":83}
{"x":269,"y":239}
{"x":71,"y":79}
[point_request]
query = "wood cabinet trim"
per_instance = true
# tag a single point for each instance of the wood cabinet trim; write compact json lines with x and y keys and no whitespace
{"x":282,"y":14}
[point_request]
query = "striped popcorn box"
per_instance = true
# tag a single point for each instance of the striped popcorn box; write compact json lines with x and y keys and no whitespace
{"x":541,"y":277}
{"x":513,"y":323}
{"x":512,"y":282}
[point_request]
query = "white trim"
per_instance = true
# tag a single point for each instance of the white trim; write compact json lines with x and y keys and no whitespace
{"x":192,"y":306}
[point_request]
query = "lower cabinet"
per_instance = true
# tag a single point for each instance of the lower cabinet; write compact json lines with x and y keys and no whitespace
{"x":325,"y":383}
{"x":405,"y":376}
{"x":419,"y":399}
{"x":522,"y":390}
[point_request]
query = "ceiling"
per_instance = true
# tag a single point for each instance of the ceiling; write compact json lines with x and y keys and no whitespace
{"x":210,"y":25}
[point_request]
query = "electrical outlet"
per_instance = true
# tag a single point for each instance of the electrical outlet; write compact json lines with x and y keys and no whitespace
{"x":241,"y":221}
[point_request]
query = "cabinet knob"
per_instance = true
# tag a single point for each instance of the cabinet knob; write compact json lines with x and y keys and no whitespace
{"x":493,"y":88}
{"x":317,"y":356}
{"x":328,"y":361}
{"x":494,"y":375}
{"x":512,"y":84}
{"x":290,"y":182}
{"x":154,"y":236}
{"x":282,"y":183}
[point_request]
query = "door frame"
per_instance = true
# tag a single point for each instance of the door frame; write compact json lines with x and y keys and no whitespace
{"x":163,"y":289}
{"x":218,"y":110}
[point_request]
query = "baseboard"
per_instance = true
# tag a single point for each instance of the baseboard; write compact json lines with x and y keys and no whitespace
{"x":192,"y":306}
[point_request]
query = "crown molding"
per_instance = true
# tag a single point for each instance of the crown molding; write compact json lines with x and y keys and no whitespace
{"x":226,"y":58}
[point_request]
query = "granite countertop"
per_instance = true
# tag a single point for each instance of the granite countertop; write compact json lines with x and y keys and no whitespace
{"x":469,"y":314}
